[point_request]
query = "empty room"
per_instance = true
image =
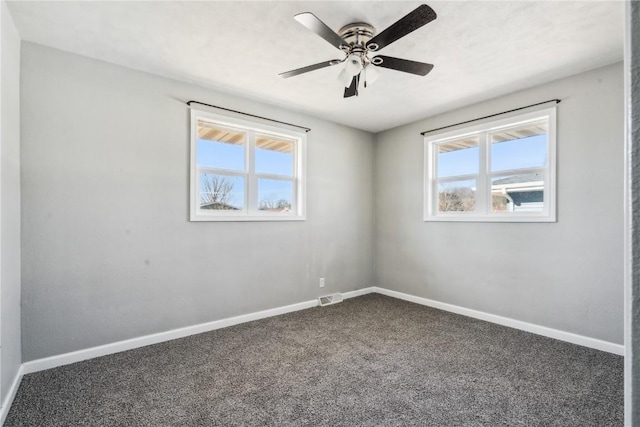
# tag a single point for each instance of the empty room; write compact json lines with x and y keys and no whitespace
{"x":345,"y":213}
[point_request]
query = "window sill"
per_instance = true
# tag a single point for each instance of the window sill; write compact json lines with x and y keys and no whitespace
{"x":246,"y":218}
{"x":490,"y":219}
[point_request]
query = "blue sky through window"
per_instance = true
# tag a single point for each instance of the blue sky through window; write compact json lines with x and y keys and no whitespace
{"x":274,"y":162}
{"x":271,"y":192}
{"x":220,"y":155}
{"x":530,"y":152}
{"x":459,"y":162}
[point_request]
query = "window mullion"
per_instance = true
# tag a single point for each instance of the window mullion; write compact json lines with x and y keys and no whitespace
{"x":483,"y":194}
{"x":196,"y":196}
{"x":275,"y":176}
{"x":433,"y":179}
{"x":457,"y":178}
{"x":252,"y":180}
{"x":296,"y":177}
{"x":518,"y":171}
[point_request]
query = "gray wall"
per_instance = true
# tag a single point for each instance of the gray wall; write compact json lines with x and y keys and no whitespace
{"x":566,"y":275}
{"x":10,"y":351}
{"x":108,"y":251}
{"x":632,"y":100}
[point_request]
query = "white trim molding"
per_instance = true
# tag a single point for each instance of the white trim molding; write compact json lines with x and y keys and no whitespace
{"x":359,"y":292}
{"x":11,"y":394}
{"x":570,"y":337}
{"x":130,"y":344}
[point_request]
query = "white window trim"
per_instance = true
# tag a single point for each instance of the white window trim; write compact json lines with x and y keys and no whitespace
{"x":483,"y":213}
{"x":251,"y":212}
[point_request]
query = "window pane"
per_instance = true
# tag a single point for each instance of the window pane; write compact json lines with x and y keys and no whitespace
{"x":457,"y":196}
{"x":460,"y":157}
{"x":275,"y":195}
{"x":524,"y":146}
{"x":518,"y":193}
{"x":219,"y":147}
{"x":274,"y":155}
{"x":221,"y":192}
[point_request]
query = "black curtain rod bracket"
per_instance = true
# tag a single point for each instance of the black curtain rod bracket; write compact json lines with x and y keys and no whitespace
{"x":557,"y":101}
{"x":306,"y":129}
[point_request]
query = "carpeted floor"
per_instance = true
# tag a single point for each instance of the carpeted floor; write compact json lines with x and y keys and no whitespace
{"x":369,"y":361}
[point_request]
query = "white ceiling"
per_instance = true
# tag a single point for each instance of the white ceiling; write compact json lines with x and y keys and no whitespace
{"x":480,"y":49}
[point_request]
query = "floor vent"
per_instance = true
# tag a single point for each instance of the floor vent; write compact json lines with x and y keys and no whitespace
{"x":330,"y":299}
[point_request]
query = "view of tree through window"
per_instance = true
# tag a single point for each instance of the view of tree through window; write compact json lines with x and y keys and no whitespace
{"x":219,"y":192}
{"x":458,"y":159}
{"x":457,"y":196}
{"x":244,"y":172}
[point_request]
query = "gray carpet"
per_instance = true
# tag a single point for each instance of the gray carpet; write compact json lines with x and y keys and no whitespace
{"x":369,"y":361}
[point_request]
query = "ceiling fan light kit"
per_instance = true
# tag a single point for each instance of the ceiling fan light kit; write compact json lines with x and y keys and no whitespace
{"x":354,"y":65}
{"x":358,"y":40}
{"x":371,"y":74}
{"x":345,"y":78}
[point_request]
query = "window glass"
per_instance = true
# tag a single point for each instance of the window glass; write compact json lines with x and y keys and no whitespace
{"x":518,"y":193}
{"x":457,"y":196}
{"x":459,"y":157}
{"x":524,"y":146}
{"x":275,"y":195}
{"x":220,"y":148}
{"x":221,"y":192}
{"x":274,"y":155}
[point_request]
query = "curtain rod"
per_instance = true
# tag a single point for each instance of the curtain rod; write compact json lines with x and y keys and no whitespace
{"x":557,"y":101}
{"x":306,"y":129}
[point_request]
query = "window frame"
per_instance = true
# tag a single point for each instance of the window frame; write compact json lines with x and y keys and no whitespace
{"x":484,"y":175}
{"x":250,"y":212}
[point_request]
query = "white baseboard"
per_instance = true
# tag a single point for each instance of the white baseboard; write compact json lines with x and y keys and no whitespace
{"x":130,"y":344}
{"x":512,"y":323}
{"x":359,"y":292}
{"x":11,"y":394}
{"x":103,"y":350}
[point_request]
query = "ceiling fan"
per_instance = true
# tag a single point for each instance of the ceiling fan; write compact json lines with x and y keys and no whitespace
{"x":358,"y":40}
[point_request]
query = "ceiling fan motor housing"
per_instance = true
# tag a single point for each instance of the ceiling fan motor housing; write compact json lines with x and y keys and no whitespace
{"x":356,"y":35}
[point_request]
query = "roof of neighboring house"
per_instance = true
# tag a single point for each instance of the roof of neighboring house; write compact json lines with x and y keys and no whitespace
{"x":534,"y":178}
{"x":219,"y":206}
{"x":524,"y":188}
{"x":520,"y":197}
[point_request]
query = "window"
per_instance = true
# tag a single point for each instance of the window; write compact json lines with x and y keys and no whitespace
{"x":498,"y":171}
{"x":244,"y":171}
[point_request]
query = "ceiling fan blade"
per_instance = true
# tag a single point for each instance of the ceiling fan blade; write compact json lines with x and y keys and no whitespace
{"x":352,"y":90}
{"x":405,"y":65}
{"x":312,"y":22}
{"x":420,"y":16}
{"x":308,"y":68}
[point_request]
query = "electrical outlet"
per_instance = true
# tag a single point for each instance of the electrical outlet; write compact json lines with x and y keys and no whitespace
{"x":322,"y":282}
